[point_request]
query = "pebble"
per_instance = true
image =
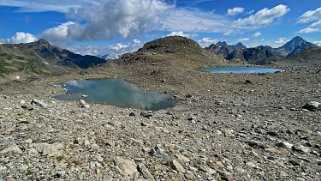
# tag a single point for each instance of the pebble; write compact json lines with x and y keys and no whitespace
{"x":301,"y":149}
{"x":283,"y":174}
{"x":272,"y":133}
{"x":177,"y":166}
{"x":229,"y":133}
{"x":84,"y":104}
{"x":157,"y":151}
{"x":218,"y":132}
{"x":251,"y":165}
{"x":215,"y":165}
{"x":256,"y":144}
{"x":285,"y":144}
{"x":146,"y":114}
{"x":294,"y":162}
{"x":189,"y":175}
{"x":182,"y":158}
{"x":145,"y":172}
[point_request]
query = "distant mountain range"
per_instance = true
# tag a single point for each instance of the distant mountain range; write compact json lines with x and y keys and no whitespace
{"x":223,"y":49}
{"x":260,"y":54}
{"x":41,"y":58}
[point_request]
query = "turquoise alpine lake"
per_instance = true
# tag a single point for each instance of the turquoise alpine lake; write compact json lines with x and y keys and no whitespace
{"x":116,"y":92}
{"x":241,"y":70}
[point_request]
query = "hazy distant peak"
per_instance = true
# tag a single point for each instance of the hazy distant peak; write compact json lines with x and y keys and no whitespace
{"x":221,"y":43}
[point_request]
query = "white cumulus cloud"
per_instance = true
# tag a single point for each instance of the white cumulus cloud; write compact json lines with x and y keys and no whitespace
{"x":309,"y":16}
{"x":314,"y":17}
{"x":181,"y":33}
{"x":314,"y":27}
{"x":318,"y":43}
{"x":243,"y":39}
{"x":280,"y":41}
{"x":207,"y":41}
{"x":235,"y":11}
{"x":109,"y":19}
{"x":125,"y":18}
{"x":194,"y":21}
{"x":263,"y":17}
{"x":22,"y":37}
{"x":257,"y":34}
{"x":115,"y":18}
{"x":60,"y":32}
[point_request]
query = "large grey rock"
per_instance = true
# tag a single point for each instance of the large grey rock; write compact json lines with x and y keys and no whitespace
{"x":11,"y":148}
{"x":54,"y":149}
{"x":312,"y":106}
{"x":129,"y":167}
{"x":38,"y":104}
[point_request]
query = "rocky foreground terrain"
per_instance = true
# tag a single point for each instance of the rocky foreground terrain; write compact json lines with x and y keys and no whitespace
{"x":224,"y":127}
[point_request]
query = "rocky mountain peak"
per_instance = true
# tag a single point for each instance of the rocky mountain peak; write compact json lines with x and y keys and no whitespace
{"x":43,"y":42}
{"x":171,"y":44}
{"x":294,"y":46}
{"x":223,"y":49}
{"x":222,"y":44}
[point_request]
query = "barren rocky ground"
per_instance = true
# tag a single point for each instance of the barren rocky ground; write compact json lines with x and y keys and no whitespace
{"x":224,"y":127}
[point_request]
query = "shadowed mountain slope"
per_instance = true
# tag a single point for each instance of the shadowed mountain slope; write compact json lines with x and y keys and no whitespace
{"x":41,"y":58}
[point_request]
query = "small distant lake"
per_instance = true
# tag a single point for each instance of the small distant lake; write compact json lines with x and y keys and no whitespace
{"x":241,"y":70}
{"x":116,"y":92}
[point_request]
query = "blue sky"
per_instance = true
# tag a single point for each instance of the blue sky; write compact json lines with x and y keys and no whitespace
{"x":118,"y":26}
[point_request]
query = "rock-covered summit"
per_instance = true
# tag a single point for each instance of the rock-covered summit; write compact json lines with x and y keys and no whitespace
{"x":173,"y":51}
{"x":171,"y":44}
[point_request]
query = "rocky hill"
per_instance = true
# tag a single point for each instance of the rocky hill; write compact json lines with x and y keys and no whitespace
{"x":41,"y":58}
{"x":174,"y":51}
{"x":171,"y":60}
